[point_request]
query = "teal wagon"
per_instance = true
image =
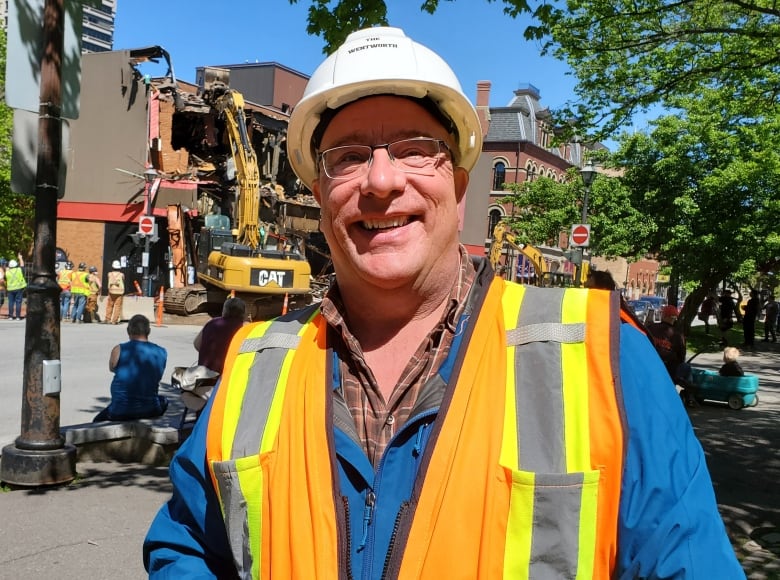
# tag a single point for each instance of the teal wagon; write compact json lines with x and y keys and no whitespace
{"x":707,"y":385}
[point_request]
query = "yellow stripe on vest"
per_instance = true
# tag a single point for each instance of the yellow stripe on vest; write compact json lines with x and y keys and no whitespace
{"x":513,"y":295}
{"x":575,"y":380}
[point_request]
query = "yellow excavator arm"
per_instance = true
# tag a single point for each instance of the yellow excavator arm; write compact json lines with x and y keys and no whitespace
{"x":231,"y":105}
{"x":501,"y":236}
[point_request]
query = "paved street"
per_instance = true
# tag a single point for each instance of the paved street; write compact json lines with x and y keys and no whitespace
{"x":84,"y":354}
{"x":94,"y":527}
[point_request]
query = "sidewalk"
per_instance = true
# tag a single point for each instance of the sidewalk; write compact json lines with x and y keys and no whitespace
{"x":94,"y":527}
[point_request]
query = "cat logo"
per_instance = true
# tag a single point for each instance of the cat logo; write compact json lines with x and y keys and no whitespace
{"x":272,"y":277}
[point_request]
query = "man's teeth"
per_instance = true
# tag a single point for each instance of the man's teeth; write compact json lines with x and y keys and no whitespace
{"x":383,"y":224}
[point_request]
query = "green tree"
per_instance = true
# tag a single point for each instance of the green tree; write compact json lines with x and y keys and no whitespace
{"x":545,"y":208}
{"x":630,"y":54}
{"x":708,"y":182}
{"x":16,"y":211}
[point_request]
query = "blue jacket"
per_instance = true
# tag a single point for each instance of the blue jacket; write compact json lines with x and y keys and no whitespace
{"x":669,"y":523}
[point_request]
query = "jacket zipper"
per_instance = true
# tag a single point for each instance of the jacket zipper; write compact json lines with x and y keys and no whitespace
{"x":347,"y":559}
{"x":391,"y":545}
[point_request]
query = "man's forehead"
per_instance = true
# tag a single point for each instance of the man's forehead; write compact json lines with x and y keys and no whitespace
{"x":382,"y":117}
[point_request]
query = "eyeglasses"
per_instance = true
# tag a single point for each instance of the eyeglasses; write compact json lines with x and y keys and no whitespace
{"x":419,"y":155}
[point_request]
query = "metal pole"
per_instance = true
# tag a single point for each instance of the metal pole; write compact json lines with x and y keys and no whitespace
{"x":147,"y":282}
{"x":585,"y":205}
{"x":39,"y":455}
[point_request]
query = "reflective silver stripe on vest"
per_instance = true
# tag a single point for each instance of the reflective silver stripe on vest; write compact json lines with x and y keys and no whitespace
{"x":556,"y":543}
{"x":539,"y":382}
{"x":546,"y":332}
{"x":280,"y":337}
{"x":235,"y":516}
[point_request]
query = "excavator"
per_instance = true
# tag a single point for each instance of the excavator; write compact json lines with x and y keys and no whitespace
{"x":266,"y":268}
{"x":544,"y":277}
{"x":501,"y":236}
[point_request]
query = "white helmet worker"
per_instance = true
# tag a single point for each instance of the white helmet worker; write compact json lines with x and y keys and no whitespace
{"x":380,"y":61}
{"x":13,"y":263}
{"x":116,"y":265}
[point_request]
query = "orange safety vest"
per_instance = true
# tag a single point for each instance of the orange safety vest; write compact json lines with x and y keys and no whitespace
{"x":534,"y":495}
{"x":64,"y":279}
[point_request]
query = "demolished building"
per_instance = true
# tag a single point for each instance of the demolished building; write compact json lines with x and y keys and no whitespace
{"x":143,"y":145}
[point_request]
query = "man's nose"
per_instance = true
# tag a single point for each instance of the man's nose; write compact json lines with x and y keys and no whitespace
{"x":383,"y":177}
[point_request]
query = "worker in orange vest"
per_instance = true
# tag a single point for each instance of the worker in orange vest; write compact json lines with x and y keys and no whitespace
{"x":429,"y":419}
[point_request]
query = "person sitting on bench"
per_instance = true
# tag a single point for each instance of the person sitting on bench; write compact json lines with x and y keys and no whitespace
{"x":138,"y":366}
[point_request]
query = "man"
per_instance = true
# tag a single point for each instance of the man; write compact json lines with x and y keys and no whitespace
{"x":63,"y":279}
{"x":669,"y":342}
{"x":138,"y":366}
{"x":727,"y":311}
{"x":3,"y":292}
{"x":214,"y":338}
{"x":771,"y":309}
{"x":91,"y":310}
{"x":708,"y":308}
{"x":419,"y":423}
{"x":79,"y":288}
{"x":116,"y":293}
{"x":749,"y":320}
{"x":15,"y":283}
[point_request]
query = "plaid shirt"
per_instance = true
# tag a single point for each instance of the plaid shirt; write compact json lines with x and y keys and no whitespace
{"x":377,"y":420}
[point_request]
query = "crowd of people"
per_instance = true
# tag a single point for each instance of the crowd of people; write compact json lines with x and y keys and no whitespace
{"x":80,"y":291}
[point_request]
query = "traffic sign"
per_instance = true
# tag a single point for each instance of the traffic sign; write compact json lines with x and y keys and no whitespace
{"x":580,"y":235}
{"x":146,"y":225}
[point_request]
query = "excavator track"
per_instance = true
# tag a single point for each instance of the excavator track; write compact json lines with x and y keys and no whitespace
{"x":185,"y":301}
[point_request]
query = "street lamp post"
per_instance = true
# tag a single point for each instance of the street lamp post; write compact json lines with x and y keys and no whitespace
{"x":149,"y":176}
{"x":588,"y":174}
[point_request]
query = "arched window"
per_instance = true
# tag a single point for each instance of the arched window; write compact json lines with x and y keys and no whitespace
{"x":494,"y":217}
{"x":499,"y":176}
{"x":531,"y":171}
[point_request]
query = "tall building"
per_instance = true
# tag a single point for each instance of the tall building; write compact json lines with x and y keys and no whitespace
{"x":97,"y":33}
{"x":97,"y":25}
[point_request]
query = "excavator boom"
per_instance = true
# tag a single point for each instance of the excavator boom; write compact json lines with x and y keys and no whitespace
{"x":502,"y":236}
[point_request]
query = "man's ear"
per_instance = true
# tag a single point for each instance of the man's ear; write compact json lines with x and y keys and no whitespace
{"x":461,"y":180}
{"x":315,"y":190}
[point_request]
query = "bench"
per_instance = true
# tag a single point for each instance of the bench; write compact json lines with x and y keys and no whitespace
{"x":146,"y":441}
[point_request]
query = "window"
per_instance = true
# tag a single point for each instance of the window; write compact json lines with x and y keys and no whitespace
{"x":494,"y":218}
{"x":499,"y":176}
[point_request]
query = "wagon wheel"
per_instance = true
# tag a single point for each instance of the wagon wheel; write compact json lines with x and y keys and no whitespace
{"x":736,"y":402}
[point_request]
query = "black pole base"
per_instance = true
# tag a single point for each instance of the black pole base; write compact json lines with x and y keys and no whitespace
{"x":35,"y":468}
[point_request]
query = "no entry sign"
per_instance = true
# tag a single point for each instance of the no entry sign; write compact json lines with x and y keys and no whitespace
{"x":580,"y":235}
{"x":146,"y":225}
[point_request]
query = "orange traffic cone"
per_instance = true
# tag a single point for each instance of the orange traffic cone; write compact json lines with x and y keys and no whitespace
{"x":284,"y":306}
{"x":160,"y":303}
{"x":137,"y":288}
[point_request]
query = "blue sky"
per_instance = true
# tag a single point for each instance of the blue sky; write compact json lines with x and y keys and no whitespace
{"x":473,"y":36}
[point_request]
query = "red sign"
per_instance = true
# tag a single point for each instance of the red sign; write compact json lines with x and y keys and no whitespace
{"x":146,"y":225}
{"x":580,"y":235}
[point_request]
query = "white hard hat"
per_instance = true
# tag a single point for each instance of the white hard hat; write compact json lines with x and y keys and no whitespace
{"x":12,"y":263}
{"x":380,"y":61}
{"x":116,"y":265}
